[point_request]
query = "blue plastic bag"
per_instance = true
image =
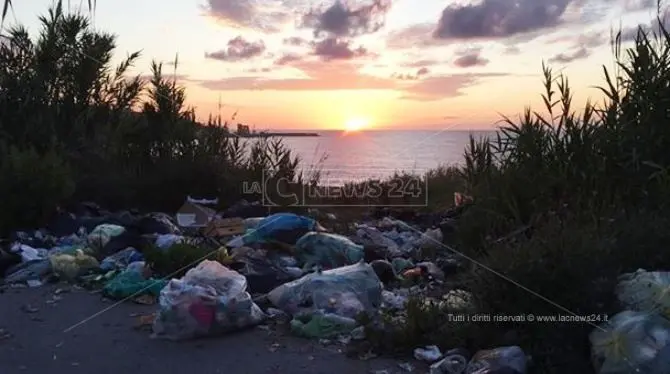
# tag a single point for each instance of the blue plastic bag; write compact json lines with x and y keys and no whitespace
{"x":281,"y":227}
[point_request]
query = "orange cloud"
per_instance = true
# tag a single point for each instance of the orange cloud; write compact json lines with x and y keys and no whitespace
{"x":347,"y":76}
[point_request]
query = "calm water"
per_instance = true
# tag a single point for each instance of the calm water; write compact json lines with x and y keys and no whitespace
{"x":378,"y":154}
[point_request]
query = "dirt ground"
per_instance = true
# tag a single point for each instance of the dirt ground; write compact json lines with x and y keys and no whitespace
{"x":101,"y":339}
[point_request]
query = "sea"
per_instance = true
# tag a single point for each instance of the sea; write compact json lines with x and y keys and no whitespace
{"x":354,"y":156}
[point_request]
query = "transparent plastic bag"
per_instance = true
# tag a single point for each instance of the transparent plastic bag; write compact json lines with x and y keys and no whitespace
{"x":209,"y":300}
{"x":102,"y":234}
{"x":327,"y":250}
{"x":631,"y":341}
{"x":345,"y":291}
{"x":70,"y":266}
{"x":645,"y":291}
{"x":501,"y":358}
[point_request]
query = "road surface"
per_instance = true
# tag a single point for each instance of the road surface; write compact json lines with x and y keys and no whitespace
{"x":32,"y":340}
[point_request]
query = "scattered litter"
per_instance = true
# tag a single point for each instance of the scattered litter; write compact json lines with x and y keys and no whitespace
{"x":487,"y":361}
{"x":430,"y":354}
{"x":27,"y":308}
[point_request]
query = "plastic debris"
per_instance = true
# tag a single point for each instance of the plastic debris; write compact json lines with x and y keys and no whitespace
{"x":632,"y":342}
{"x":327,"y":250}
{"x":645,"y":291}
{"x":209,"y":300}
{"x":346,"y":291}
{"x":498,"y":360}
{"x":431,"y":353}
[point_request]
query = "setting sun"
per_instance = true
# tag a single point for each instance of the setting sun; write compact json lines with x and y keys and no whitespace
{"x":356,"y":124}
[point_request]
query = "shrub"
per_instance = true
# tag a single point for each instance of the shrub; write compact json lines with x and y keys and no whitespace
{"x":31,"y":185}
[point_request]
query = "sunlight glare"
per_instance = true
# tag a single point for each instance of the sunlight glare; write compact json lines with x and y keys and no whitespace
{"x":356,"y":124}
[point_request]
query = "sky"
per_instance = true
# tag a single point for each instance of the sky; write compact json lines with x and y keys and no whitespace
{"x":376,"y":64}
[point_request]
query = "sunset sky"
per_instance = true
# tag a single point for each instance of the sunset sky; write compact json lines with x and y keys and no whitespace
{"x":424,"y":64}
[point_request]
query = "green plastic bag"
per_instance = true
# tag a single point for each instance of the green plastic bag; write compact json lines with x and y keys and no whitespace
{"x":131,"y":283}
{"x":322,"y":325}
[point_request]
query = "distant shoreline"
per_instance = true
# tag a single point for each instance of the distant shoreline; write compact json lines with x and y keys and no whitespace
{"x":273,"y":134}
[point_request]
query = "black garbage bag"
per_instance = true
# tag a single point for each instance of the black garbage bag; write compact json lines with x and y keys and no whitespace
{"x":263,"y":275}
{"x":157,"y":223}
{"x":7,"y":260}
{"x":129,"y":238}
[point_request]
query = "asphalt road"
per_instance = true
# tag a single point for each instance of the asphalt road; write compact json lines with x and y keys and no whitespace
{"x":32,"y":340}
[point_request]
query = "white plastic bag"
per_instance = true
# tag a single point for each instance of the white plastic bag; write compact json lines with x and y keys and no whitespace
{"x":632,"y":341}
{"x":645,"y":291}
{"x":209,"y":300}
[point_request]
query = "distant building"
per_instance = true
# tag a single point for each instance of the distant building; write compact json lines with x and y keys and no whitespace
{"x":242,"y":129}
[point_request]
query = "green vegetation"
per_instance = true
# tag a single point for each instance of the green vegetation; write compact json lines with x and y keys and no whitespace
{"x":74,"y":127}
{"x":565,"y":202}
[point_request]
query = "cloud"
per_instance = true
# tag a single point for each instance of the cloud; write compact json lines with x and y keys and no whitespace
{"x":420,"y":63}
{"x":512,"y":50}
{"x":412,"y":36}
{"x":568,"y":57}
{"x":629,"y":34}
{"x":337,"y":75}
{"x":637,"y":5}
{"x":296,"y":41}
{"x":411,"y":77}
{"x":442,"y":87}
{"x":259,"y":70}
{"x":262,"y":15}
{"x":343,"y":20}
{"x":345,"y":75}
{"x":238,"y":49}
{"x":336,"y":49}
{"x":287,"y":59}
{"x":498,"y":18}
{"x":469,"y":58}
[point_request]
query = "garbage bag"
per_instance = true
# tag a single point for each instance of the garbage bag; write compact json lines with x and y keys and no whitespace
{"x":157,"y":223}
{"x":632,"y":341}
{"x":345,"y":291}
{"x":29,"y":253}
{"x":281,"y":227}
{"x":327,"y":250}
{"x":209,"y":300}
{"x":262,"y":271}
{"x":102,"y":234}
{"x":252,"y":222}
{"x":121,"y":260}
{"x":322,"y":325}
{"x":31,"y":270}
{"x":71,"y":266}
{"x":165,"y":241}
{"x":376,"y":237}
{"x":499,"y":360}
{"x":130,"y":283}
{"x":645,"y":291}
{"x":430,"y":240}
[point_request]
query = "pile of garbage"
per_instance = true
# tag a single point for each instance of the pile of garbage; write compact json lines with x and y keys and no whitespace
{"x":288,"y":263}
